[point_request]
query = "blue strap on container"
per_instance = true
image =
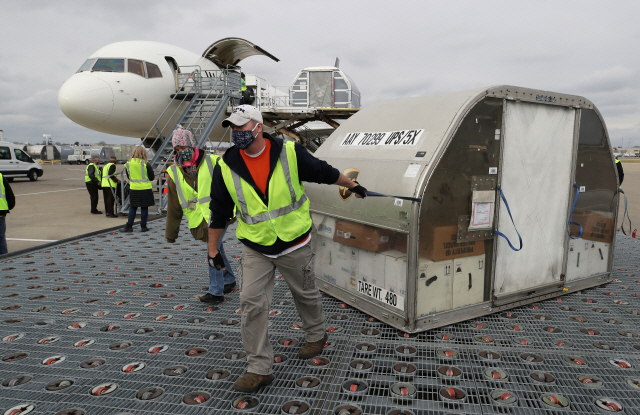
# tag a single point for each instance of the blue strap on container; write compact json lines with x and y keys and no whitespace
{"x":575,"y":200}
{"x":626,"y":213}
{"x":514,"y":225}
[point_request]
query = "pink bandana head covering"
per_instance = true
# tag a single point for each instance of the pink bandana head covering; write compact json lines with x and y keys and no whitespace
{"x":182,"y":137}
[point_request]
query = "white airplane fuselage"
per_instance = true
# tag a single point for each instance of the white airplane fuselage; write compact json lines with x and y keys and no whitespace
{"x":126,"y":103}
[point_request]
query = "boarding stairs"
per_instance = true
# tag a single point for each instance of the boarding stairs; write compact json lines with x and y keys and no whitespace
{"x":204,"y":99}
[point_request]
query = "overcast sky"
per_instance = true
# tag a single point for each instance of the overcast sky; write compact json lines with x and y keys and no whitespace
{"x":391,"y":49}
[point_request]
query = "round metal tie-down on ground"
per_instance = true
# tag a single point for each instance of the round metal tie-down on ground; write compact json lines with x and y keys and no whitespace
{"x":402,"y":391}
{"x":576,"y":360}
{"x":445,"y":336}
{"x":120,"y":346}
{"x":361,"y":365}
{"x":111,"y":327}
{"x":515,"y":327}
{"x":143,"y":330}
{"x":542,"y":377}
{"x":600,"y":310}
{"x":447,"y":353}
{"x":543,"y":317}
{"x":612,"y":321}
{"x":196,"y":320}
{"x":217,"y":374}
{"x":180,"y":306}
{"x":489,"y":355}
{"x":508,"y":314}
{"x":133,"y":367}
{"x":495,"y":373}
{"x":164,"y":317}
{"x":371,"y":332}
{"x":504,"y":397}
{"x":48,"y":340}
{"x":22,"y":409}
{"x":355,"y":386}
{"x":365,"y":348}
{"x":104,"y":389}
{"x":196,"y":352}
{"x":627,"y":333}
{"x":279,"y":358}
{"x":14,"y":357}
{"x":196,"y":398}
{"x":214,"y":336}
{"x":340,"y":317}
{"x":604,"y":345}
{"x":620,"y":363}
{"x":590,"y":381}
{"x":402,"y":369}
{"x":449,"y":372}
{"x":478,"y":326}
{"x":92,"y":363}
{"x":283,"y":302}
{"x":566,"y":308}
{"x":405,"y":351}
{"x":84,"y":342}
{"x":531,"y":358}
{"x":245,"y":402}
{"x":557,"y":401}
{"x":634,"y":383}
{"x":149,"y":393}
{"x":589,"y":300}
{"x":308,"y":382}
{"x":347,"y":410}
{"x":553,"y":330}
{"x":130,"y":316}
{"x":157,"y":349}
{"x":296,"y":326}
{"x":633,"y":312}
{"x":609,"y":405}
{"x":40,"y":309}
{"x":578,"y":319}
{"x":235,"y":355}
{"x":17,"y":380}
{"x":100,"y":313}
{"x":77,"y":325}
{"x":525,"y":341}
{"x":451,"y":394}
{"x":274,"y":313}
{"x":318,"y":362}
{"x":295,"y":407}
{"x":563,"y":343}
{"x":287,"y":341}
{"x":406,"y":335}
{"x":178,"y":333}
{"x":57,"y":385}
{"x":229,"y":322}
{"x":483,"y":339}
{"x":53,"y":360}
{"x":12,"y":307}
{"x":400,"y":412}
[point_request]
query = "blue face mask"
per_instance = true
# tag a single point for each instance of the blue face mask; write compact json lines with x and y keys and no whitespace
{"x":243,"y":139}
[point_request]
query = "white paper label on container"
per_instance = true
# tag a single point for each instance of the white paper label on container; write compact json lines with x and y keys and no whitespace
{"x":583,"y":188}
{"x":481,"y":214}
{"x":412,"y":170}
{"x":493,"y":170}
{"x":380,"y":294}
{"x":397,"y":202}
{"x":400,"y":138}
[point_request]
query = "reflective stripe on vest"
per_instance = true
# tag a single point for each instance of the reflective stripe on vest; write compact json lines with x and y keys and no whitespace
{"x":4,"y":205}
{"x":96,"y":173}
{"x":137,"y":169}
{"x":107,"y":180}
{"x":206,"y":199}
{"x":287,"y":214}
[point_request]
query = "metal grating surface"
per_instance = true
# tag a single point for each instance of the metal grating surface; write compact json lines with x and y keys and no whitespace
{"x":115,"y":286}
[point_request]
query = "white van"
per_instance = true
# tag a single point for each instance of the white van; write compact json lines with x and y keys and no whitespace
{"x":16,"y":163}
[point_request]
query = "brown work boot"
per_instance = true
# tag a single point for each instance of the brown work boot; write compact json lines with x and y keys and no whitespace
{"x":313,"y":349}
{"x":251,"y":382}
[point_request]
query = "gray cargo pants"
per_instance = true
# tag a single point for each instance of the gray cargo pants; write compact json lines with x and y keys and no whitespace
{"x":256,"y":278}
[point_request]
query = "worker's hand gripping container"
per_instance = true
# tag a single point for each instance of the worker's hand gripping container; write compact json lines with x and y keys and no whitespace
{"x":490,"y":166}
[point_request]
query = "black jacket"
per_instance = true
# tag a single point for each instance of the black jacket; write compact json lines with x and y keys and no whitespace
{"x":92,"y":175}
{"x":11,"y":199}
{"x":620,"y":173}
{"x":310,"y":169}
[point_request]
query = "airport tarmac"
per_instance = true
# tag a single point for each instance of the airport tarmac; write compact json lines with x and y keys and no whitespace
{"x":55,"y":207}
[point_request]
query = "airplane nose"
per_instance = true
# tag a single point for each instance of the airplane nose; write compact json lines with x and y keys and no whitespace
{"x":86,"y":99}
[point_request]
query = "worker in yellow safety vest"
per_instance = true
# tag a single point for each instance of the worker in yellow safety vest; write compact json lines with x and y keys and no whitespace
{"x":141,"y":196}
{"x":261,"y":176}
{"x":189,"y":185}
{"x":110,"y":183}
{"x":93,"y":181}
{"x":620,"y":171}
{"x":7,"y":202}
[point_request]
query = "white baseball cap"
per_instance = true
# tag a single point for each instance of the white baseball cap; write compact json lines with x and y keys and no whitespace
{"x":242,"y":114}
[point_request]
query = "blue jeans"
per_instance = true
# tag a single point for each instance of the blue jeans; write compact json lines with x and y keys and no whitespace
{"x":3,"y":239}
{"x":219,"y":278}
{"x":144,"y":213}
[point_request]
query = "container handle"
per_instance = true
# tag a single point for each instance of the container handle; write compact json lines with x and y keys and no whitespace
{"x":514,"y":225}
{"x":575,"y":200}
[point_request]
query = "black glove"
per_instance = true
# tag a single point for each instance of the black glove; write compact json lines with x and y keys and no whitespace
{"x":359,"y":190}
{"x":216,"y":262}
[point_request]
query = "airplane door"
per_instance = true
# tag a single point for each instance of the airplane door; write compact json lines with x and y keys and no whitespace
{"x":175,"y":70}
{"x":535,"y":179}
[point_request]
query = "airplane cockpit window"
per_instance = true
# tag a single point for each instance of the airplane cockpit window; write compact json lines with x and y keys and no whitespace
{"x":86,"y":65}
{"x":153,"y":71}
{"x":108,"y":65}
{"x":135,"y":66}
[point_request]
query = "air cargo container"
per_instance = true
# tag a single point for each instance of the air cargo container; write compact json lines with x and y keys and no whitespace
{"x":516,"y":201}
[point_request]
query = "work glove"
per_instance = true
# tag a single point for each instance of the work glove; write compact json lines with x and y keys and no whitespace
{"x":216,"y":262}
{"x":359,"y":190}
